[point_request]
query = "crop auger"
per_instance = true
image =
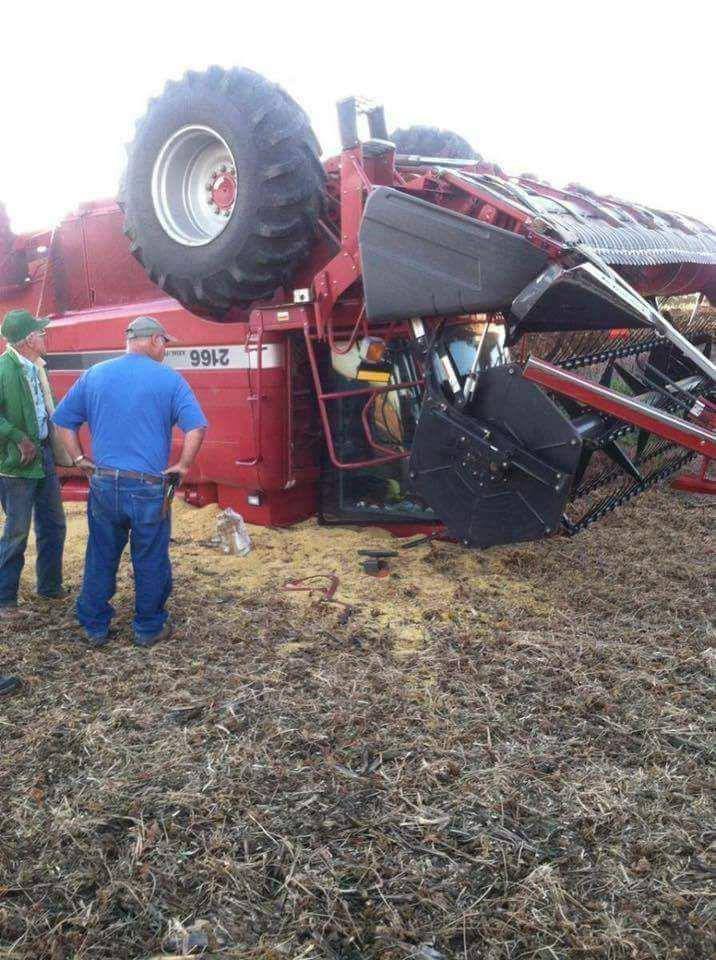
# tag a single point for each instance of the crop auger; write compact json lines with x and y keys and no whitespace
{"x":393,"y":335}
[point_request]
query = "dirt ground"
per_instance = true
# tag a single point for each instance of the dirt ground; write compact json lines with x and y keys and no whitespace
{"x":492,"y":756}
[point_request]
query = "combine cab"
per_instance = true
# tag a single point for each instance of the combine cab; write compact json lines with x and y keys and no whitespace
{"x":388,"y":337}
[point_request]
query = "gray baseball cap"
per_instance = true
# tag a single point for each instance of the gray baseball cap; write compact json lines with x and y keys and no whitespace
{"x":147,"y":327}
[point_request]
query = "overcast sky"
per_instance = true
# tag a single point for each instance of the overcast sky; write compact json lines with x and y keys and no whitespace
{"x":618,"y":96}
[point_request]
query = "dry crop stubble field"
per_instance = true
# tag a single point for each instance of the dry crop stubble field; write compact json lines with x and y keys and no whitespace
{"x":501,"y":755}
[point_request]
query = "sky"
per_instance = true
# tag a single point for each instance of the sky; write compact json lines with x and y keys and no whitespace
{"x":618,"y":96}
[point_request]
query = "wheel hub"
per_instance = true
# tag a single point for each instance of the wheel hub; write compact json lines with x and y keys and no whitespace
{"x":194,"y":185}
{"x":222,"y":190}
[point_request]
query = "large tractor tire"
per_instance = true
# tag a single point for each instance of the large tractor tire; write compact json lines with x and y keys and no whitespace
{"x":222,"y":190}
{"x":6,"y":234}
{"x":13,"y":263}
{"x":424,"y":141}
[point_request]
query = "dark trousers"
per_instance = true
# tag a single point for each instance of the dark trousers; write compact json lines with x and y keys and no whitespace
{"x":21,"y":499}
{"x":118,"y":511}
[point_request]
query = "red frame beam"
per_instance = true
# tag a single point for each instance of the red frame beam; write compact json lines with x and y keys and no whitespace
{"x":697,"y":483}
{"x":629,"y":409}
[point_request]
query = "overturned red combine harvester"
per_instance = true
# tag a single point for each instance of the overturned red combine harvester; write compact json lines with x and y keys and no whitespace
{"x":403,"y":334}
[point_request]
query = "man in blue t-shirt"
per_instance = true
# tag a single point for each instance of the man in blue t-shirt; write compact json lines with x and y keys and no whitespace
{"x":131,"y":405}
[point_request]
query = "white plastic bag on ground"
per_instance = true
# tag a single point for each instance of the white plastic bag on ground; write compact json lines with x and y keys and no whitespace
{"x":231,"y":533}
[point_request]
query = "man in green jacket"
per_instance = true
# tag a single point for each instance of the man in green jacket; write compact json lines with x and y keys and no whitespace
{"x":28,"y":479}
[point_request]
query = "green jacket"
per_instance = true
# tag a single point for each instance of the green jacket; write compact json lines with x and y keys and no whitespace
{"x":17,"y":419}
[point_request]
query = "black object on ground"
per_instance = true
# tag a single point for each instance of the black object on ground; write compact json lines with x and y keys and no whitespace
{"x":378,"y":554}
{"x":8,"y":685}
{"x":376,"y":567}
{"x":419,"y":542}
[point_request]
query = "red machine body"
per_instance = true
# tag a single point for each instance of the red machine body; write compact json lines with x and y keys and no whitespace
{"x":84,"y":276}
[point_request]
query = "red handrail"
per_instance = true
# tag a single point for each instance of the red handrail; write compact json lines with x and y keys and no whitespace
{"x":256,"y":399}
{"x":322,"y":397}
{"x":369,"y":434}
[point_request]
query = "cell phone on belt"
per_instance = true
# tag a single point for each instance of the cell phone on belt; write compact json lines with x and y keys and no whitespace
{"x":171,"y":483}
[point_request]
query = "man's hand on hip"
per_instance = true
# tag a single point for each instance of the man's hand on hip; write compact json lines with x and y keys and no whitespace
{"x":193,"y":439}
{"x":28,"y":452}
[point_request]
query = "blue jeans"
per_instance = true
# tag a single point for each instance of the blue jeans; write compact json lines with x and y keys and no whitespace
{"x":20,"y":498}
{"x":121,"y":510}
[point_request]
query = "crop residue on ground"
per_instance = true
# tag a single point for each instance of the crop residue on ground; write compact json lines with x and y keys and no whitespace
{"x":489,"y":756}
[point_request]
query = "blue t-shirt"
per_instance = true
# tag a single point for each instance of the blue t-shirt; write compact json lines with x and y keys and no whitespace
{"x":131,"y":405}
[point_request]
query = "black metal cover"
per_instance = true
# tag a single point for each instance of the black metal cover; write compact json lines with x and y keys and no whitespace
{"x":500,"y":471}
{"x":572,"y":298}
{"x":420,"y":260}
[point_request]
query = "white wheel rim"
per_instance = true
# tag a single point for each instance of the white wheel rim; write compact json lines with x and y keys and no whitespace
{"x":194,"y":185}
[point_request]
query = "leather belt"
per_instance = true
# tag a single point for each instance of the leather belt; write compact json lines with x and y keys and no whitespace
{"x":128,"y":475}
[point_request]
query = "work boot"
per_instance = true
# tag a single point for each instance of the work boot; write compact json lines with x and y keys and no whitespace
{"x":96,"y":640}
{"x":62,"y":594}
{"x":8,"y":684}
{"x":142,"y":640}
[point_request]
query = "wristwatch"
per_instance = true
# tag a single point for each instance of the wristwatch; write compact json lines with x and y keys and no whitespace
{"x":79,"y":459}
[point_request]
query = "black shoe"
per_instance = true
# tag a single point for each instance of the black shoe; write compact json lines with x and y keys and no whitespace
{"x":97,"y":639}
{"x":8,"y":684}
{"x":62,"y":594}
{"x":142,"y":640}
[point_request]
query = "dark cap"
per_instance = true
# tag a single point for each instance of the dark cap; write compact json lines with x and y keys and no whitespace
{"x":19,"y":324}
{"x":147,"y":327}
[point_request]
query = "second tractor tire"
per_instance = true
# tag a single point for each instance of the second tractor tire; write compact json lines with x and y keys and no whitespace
{"x":423,"y":141}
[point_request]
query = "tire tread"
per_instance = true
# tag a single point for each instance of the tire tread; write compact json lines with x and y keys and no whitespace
{"x":287,"y":209}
